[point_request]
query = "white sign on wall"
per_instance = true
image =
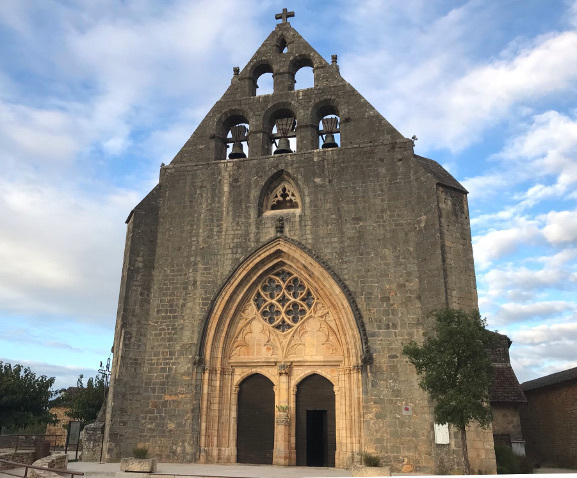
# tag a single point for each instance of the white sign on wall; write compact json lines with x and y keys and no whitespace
{"x":441,"y":433}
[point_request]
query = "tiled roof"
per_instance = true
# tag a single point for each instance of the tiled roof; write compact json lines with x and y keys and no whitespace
{"x":552,"y":379}
{"x":505,"y":386}
{"x":439,"y":173}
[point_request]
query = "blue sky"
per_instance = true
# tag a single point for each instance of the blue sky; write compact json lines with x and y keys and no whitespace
{"x":94,"y":96}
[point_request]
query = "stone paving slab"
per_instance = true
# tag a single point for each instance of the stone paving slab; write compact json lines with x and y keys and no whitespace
{"x":547,"y":470}
{"x":182,"y":470}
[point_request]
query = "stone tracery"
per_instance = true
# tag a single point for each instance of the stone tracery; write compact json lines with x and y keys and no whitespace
{"x":283,"y":300}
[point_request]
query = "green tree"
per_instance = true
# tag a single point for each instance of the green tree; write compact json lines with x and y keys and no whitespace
{"x":455,"y":368}
{"x":85,"y":401}
{"x":24,"y":397}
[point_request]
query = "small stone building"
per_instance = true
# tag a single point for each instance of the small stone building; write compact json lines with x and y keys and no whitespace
{"x":549,"y":421}
{"x":290,"y":249}
{"x":58,"y":430}
{"x":507,"y":398}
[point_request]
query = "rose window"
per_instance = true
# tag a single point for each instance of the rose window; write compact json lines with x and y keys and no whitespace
{"x":283,"y":300}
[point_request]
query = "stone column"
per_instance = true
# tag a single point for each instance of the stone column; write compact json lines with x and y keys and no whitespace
{"x":307,"y":137}
{"x":281,"y":454}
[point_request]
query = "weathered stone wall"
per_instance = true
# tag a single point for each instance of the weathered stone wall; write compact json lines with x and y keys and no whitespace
{"x":458,"y":264}
{"x":58,"y":461}
{"x":24,"y":457}
{"x":126,"y":396}
{"x":506,"y":420}
{"x":92,"y":441}
{"x":481,"y":450}
{"x":549,"y":425}
{"x":58,"y":428}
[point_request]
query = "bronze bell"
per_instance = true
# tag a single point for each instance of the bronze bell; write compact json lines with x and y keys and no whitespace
{"x":284,"y":126}
{"x":237,"y":151}
{"x":238,"y":134}
{"x":283,"y":146}
{"x":330,"y":125}
{"x":330,"y":141}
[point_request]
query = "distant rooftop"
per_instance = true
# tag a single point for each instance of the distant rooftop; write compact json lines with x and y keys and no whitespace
{"x":552,"y":379}
{"x":505,"y":387}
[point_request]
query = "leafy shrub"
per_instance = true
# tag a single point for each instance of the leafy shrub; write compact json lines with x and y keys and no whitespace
{"x":371,"y":460}
{"x":508,"y":463}
{"x":140,"y":452}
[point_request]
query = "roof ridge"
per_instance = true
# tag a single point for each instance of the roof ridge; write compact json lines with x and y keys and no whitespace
{"x":551,"y":379}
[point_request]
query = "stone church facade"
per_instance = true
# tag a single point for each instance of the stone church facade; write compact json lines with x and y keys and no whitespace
{"x":267,"y":293}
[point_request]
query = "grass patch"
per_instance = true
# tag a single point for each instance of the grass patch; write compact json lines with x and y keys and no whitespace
{"x":508,"y":463}
{"x":371,"y":460}
{"x":140,"y":452}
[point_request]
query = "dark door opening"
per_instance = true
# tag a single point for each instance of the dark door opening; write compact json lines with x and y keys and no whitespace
{"x":317,"y":438}
{"x":255,"y":425}
{"x":315,"y":422}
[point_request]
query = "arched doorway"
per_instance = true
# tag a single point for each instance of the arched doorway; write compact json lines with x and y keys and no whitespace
{"x":283,"y":316}
{"x":255,"y":425}
{"x":315,"y":422}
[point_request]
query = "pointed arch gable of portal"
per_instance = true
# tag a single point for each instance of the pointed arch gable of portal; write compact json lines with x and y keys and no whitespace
{"x":276,"y":250}
{"x":242,"y":338}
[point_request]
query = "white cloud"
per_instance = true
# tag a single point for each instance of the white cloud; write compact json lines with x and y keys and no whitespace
{"x":60,"y":251}
{"x":519,"y":283}
{"x":458,"y":97}
{"x":514,"y":312}
{"x":561,"y":227}
{"x":543,"y":154}
{"x":498,"y":243}
{"x":546,"y":333}
{"x":66,"y":375}
{"x":544,"y":349}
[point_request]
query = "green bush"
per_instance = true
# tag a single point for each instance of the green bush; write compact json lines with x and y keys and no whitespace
{"x":371,"y":460}
{"x":510,"y":464}
{"x":140,"y":452}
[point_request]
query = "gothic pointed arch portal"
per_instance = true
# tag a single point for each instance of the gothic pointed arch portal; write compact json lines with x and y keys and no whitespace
{"x":282,"y":315}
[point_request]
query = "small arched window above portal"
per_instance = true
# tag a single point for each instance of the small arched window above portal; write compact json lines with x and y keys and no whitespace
{"x":283,"y":197}
{"x":279,"y":194}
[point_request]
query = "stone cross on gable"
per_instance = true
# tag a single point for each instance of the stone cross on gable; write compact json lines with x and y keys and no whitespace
{"x":284,"y":15}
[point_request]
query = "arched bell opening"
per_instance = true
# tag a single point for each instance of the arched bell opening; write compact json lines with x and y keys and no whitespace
{"x":281,"y":45}
{"x":237,"y":141}
{"x":262,"y":79}
{"x":304,"y":78}
{"x":301,"y":69}
{"x":280,"y":121}
{"x":325,"y":115}
{"x":329,"y":132}
{"x":232,"y":135}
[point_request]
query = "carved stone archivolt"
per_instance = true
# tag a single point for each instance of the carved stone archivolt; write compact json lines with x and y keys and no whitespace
{"x":285,"y":320}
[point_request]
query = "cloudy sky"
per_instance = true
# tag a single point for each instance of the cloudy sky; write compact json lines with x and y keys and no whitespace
{"x":94,"y":96}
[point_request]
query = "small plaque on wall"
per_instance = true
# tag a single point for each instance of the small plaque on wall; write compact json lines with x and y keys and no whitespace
{"x":441,"y":433}
{"x":407,"y":410}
